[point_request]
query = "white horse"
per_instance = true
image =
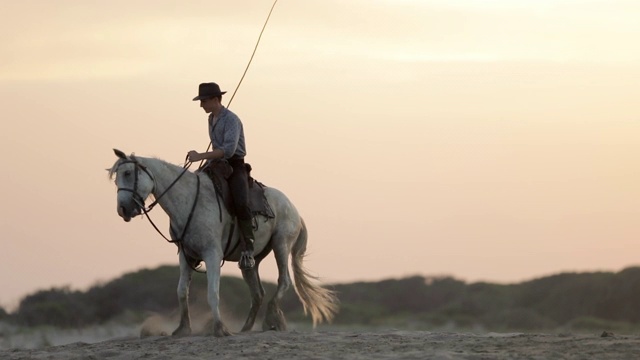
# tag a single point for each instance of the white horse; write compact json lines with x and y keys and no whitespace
{"x":211,"y":230}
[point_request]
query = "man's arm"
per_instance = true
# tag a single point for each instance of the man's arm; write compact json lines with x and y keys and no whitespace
{"x":211,"y":155}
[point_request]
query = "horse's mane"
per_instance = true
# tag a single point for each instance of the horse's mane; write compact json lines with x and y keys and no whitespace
{"x":154,"y":162}
{"x":112,"y":171}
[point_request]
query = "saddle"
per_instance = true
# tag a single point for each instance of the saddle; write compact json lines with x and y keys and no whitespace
{"x":219,"y":171}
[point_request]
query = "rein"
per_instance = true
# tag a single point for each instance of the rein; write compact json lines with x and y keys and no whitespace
{"x":255,"y":48}
{"x":140,"y":201}
{"x":186,"y":166}
{"x":179,"y":239}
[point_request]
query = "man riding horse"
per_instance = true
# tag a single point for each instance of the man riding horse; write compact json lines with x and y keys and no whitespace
{"x":228,"y":144}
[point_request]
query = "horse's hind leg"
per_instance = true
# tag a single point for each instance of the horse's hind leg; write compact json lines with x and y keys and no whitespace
{"x":252,"y":278}
{"x":274,"y":318}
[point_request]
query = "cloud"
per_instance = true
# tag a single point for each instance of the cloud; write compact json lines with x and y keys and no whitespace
{"x":96,"y":41}
{"x":86,"y":43}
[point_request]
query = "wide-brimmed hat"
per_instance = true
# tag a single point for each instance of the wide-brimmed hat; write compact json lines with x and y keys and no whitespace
{"x":208,"y":90}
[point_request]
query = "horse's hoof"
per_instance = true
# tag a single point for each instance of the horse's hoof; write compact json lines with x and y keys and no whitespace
{"x":219,"y":330}
{"x":181,"y":331}
{"x":274,"y":327}
{"x":245,"y":329}
{"x":274,"y":319}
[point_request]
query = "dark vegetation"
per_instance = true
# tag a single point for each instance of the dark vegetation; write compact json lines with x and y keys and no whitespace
{"x":572,"y":301}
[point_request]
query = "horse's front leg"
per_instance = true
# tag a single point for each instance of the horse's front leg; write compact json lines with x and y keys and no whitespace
{"x":184,"y":328}
{"x":213,"y":294}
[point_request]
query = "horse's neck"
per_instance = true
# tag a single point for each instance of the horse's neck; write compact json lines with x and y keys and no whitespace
{"x":172,"y":201}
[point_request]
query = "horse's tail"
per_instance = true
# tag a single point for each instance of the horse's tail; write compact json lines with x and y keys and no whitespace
{"x":321,"y":303}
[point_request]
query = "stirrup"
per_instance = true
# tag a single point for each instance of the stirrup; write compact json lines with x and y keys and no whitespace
{"x":247,"y":261}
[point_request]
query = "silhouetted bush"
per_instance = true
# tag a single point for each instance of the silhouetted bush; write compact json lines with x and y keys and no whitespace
{"x":57,"y":306}
{"x":573,"y":301}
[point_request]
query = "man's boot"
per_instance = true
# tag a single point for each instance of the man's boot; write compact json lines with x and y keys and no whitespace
{"x":246,"y":257}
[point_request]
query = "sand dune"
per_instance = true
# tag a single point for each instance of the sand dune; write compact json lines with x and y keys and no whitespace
{"x":391,"y":344}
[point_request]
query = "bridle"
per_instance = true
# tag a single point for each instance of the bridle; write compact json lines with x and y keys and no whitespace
{"x":139,"y":200}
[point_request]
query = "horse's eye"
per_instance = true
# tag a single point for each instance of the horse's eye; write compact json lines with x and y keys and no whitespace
{"x":127,"y":173}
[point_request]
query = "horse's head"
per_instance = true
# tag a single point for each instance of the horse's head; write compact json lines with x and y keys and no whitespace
{"x":135,"y":183}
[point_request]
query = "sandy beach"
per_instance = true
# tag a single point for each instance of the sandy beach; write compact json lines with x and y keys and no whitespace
{"x":390,"y":344}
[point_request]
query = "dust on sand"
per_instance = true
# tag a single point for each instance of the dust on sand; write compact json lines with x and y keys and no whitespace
{"x":390,"y":344}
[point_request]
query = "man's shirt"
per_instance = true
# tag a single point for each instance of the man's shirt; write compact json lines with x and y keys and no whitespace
{"x":227,"y":134}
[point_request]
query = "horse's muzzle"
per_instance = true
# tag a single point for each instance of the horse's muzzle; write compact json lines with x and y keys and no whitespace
{"x":127,"y":214}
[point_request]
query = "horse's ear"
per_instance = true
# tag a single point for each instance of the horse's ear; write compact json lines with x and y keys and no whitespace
{"x":120,"y":154}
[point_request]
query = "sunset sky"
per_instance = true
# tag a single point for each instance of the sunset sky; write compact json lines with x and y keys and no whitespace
{"x":491,"y":140}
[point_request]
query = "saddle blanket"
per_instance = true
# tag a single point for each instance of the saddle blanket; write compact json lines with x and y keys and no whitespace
{"x":219,"y":171}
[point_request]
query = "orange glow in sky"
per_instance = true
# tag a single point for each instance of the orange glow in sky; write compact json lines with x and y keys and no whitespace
{"x":492,"y":140}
